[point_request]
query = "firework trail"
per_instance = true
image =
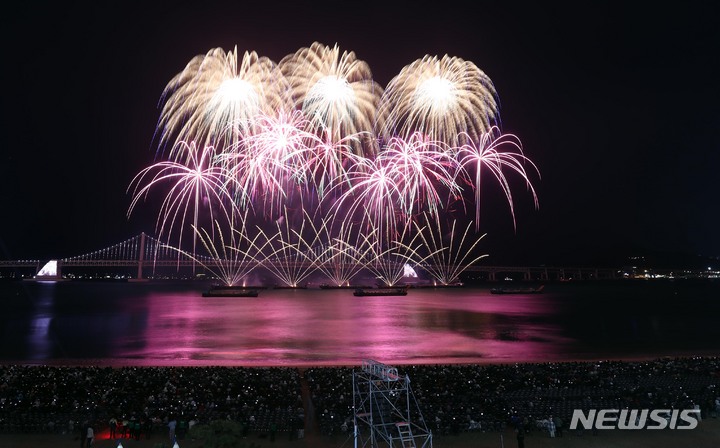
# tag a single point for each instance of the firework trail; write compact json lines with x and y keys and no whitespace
{"x":264,"y":164}
{"x":335,"y":91}
{"x":387,"y":261}
{"x":441,"y":98}
{"x":447,"y":260}
{"x":343,"y":250}
{"x":214,"y":100}
{"x":373,"y":195}
{"x":326,"y":162}
{"x":229,"y":261}
{"x":195,"y":185}
{"x":489,"y":153}
{"x":418,"y":166}
{"x":289,"y":256}
{"x":407,"y":176}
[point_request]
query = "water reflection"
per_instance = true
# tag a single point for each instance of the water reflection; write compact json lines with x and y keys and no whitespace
{"x":288,"y":327}
{"x":39,"y":336}
{"x":172,"y":324}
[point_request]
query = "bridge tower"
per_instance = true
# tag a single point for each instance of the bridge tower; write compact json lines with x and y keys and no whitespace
{"x":141,"y":257}
{"x":386,"y":412}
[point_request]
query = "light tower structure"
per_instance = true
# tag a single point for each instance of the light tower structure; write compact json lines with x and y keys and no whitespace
{"x":386,"y":413}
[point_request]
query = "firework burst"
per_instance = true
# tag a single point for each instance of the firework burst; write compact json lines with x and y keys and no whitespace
{"x":264,"y":164}
{"x":441,"y":98}
{"x":490,"y":153}
{"x":192,"y":184}
{"x":342,"y":250}
{"x":374,"y":196}
{"x":419,"y":166}
{"x":289,"y":258}
{"x":388,"y":262}
{"x":315,"y":134}
{"x":335,"y":91}
{"x":326,"y":162}
{"x":214,"y":100}
{"x":446,"y":260}
{"x":232,"y":260}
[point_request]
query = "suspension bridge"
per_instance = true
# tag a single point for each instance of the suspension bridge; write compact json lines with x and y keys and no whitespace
{"x":144,"y":253}
{"x":141,"y":252}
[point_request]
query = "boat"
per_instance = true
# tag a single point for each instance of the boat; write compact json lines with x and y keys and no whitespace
{"x":537,"y":290}
{"x":231,"y":291}
{"x":365,"y":292}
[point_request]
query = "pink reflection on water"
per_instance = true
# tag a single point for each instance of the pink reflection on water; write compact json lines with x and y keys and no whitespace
{"x":332,"y":327}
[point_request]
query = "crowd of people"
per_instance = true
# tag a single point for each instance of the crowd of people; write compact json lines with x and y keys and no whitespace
{"x":146,"y":401}
{"x":134,"y":402}
{"x":456,"y":398}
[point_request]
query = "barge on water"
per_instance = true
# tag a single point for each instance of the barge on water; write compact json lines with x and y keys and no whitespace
{"x":537,"y":290}
{"x":365,"y":292}
{"x":231,"y":291}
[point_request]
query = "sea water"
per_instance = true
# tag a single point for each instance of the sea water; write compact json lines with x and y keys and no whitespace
{"x":169,"y":323}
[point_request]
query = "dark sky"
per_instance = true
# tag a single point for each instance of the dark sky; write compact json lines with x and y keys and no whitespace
{"x":619,"y":106}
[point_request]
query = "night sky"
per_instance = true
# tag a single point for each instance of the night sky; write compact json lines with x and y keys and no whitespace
{"x":619,"y":107}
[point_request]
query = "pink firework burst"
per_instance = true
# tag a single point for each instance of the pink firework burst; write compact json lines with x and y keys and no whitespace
{"x":267,"y":160}
{"x":326,"y":161}
{"x":374,"y":194}
{"x":497,"y":153}
{"x":192,"y":183}
{"x":419,"y":166}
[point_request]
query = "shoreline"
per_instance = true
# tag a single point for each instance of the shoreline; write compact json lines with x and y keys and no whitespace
{"x":179,"y":363}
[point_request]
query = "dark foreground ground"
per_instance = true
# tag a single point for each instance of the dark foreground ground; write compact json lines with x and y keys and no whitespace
{"x":706,"y":435}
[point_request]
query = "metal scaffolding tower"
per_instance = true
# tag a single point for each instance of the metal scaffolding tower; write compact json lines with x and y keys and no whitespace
{"x":386,"y":412}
